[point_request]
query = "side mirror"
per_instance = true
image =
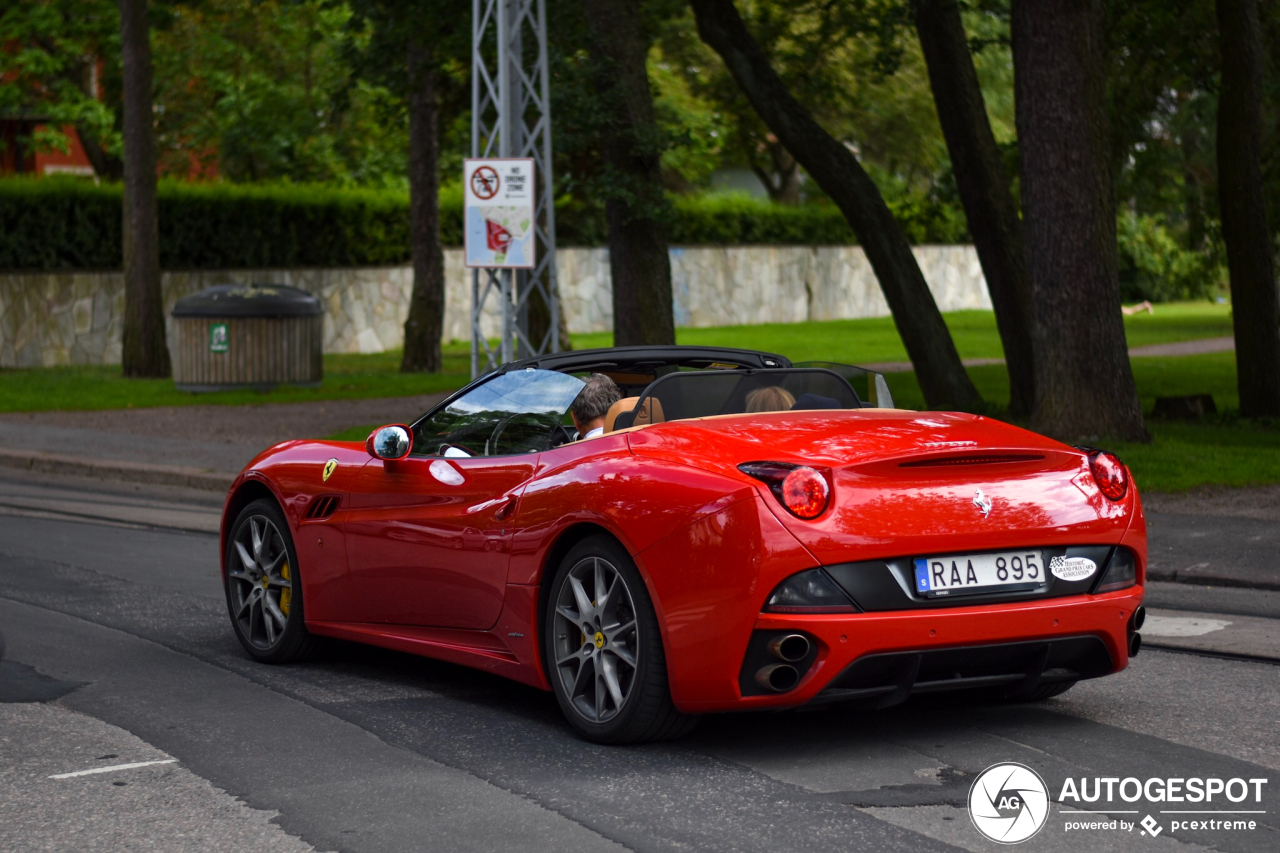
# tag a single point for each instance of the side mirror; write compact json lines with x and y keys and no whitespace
{"x":389,"y":442}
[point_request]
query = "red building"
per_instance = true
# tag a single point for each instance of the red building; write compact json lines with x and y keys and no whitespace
{"x":17,"y":159}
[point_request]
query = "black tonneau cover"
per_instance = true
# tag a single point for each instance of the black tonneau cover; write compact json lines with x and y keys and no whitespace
{"x":622,"y":359}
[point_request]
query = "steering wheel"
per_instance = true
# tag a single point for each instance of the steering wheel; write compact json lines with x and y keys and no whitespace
{"x":563,"y":438}
{"x":491,"y":444}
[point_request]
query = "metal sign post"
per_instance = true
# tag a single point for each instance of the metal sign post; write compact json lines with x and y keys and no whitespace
{"x":511,"y":123}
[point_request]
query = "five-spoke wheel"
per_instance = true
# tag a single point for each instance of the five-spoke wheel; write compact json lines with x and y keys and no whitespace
{"x":596,"y":639}
{"x":604,"y":650}
{"x":264,"y":595}
{"x":260,"y":584}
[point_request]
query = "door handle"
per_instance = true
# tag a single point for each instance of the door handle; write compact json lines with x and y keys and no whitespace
{"x":504,"y":512}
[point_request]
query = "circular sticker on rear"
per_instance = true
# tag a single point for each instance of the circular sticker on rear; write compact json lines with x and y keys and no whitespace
{"x":1072,"y":568}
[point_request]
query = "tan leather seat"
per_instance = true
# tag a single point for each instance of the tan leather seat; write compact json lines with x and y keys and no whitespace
{"x":650,"y":414}
{"x":626,"y":404}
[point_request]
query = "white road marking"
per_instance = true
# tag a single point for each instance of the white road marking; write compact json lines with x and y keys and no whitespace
{"x":112,"y":768}
{"x":1181,"y":626}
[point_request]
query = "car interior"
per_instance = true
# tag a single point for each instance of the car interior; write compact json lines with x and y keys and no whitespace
{"x":524,"y":407}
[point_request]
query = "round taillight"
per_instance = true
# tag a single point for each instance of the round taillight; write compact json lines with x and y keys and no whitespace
{"x":805,"y":492}
{"x":1110,"y":475}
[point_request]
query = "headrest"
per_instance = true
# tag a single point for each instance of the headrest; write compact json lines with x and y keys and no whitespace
{"x":626,"y":404}
{"x":649,"y":413}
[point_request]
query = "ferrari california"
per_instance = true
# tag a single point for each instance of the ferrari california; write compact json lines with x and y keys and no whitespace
{"x":705,"y":552}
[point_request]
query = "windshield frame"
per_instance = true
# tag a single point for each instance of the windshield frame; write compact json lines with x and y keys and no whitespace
{"x":513,"y":409}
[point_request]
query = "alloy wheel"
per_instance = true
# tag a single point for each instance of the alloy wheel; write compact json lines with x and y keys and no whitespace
{"x":596,"y":639}
{"x":261,"y":583}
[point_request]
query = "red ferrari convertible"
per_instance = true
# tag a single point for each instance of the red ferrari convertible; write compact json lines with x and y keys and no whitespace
{"x":697,"y":556}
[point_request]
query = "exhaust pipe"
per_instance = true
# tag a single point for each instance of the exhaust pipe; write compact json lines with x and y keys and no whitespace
{"x":1139,"y":617}
{"x":1135,"y":644}
{"x":790,"y":647}
{"x":778,"y":677}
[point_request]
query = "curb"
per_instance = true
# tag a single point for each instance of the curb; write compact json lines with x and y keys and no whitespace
{"x":130,"y":472}
{"x":1184,"y":576}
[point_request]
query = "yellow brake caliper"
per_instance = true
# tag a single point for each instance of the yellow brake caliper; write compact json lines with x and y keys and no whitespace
{"x":286,"y":594}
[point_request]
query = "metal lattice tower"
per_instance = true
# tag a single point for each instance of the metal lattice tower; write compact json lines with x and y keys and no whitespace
{"x":511,"y":117}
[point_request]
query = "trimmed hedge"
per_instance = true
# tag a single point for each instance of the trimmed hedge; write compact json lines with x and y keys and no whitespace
{"x":65,"y":223}
{"x":741,"y":220}
{"x":54,"y":224}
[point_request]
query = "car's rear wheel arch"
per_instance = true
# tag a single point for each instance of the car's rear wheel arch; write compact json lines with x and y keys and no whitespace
{"x":559,"y":549}
{"x":648,"y":715}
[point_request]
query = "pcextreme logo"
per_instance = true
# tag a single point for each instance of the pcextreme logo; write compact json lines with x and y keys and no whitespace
{"x":1008,"y":803}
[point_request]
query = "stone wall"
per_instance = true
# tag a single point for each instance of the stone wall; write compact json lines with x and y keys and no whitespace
{"x":75,"y":317}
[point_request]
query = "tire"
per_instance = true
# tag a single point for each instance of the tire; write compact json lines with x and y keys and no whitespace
{"x":588,"y":670}
{"x":256,"y":608}
{"x":1043,"y":692}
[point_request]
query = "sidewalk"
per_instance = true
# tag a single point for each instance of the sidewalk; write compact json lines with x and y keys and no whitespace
{"x":1196,"y":347}
{"x":200,"y":447}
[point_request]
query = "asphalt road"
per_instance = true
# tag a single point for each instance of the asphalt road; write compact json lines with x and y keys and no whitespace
{"x":118,"y":652}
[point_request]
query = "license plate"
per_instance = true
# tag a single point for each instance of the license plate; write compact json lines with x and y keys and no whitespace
{"x":962,"y":574}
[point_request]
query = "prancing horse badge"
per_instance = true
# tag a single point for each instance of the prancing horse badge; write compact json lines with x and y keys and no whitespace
{"x":329,"y":468}
{"x":982,"y":502}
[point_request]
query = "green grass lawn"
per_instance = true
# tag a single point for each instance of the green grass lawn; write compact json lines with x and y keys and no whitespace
{"x":356,"y":376}
{"x":1223,"y":450}
{"x":102,"y":387}
{"x":875,"y":340}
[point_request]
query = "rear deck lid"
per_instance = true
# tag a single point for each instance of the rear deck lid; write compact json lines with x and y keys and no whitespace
{"x":907,"y":483}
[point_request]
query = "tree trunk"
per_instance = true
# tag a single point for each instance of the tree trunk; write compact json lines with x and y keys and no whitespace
{"x":105,"y":166}
{"x":422,"y":328}
{"x":1084,"y":382}
{"x":782,"y":178}
{"x":983,"y":185}
{"x":1254,"y":297}
{"x":638,"y":259}
{"x":145,"y":353}
{"x":833,"y":167}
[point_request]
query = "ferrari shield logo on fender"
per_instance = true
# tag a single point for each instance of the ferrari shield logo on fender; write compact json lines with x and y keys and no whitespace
{"x":982,"y":502}
{"x":329,"y":468}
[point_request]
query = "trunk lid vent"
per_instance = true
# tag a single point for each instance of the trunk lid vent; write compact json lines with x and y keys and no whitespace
{"x":972,"y":459}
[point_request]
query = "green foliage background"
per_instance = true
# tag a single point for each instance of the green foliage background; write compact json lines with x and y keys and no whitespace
{"x":57,"y":224}
{"x":309,"y":92}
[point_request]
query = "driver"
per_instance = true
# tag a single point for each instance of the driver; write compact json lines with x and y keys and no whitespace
{"x":592,"y":404}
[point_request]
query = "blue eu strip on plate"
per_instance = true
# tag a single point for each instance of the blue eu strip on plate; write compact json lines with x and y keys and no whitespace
{"x":922,"y":575}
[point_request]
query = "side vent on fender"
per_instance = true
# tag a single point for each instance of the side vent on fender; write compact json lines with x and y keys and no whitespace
{"x":973,"y":459}
{"x":323,"y":507}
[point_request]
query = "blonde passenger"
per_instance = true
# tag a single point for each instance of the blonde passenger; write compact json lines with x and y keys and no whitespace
{"x":774,"y":398}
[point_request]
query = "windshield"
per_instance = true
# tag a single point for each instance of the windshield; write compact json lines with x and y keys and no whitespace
{"x":516,"y":412}
{"x":731,"y":392}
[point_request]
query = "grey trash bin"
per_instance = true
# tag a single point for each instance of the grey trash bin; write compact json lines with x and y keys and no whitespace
{"x":254,"y":336}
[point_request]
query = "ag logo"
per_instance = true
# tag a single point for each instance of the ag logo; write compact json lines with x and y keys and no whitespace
{"x":1008,"y":803}
{"x":329,"y":468}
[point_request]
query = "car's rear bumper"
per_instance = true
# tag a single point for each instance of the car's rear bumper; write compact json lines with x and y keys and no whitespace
{"x":1012,"y":646}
